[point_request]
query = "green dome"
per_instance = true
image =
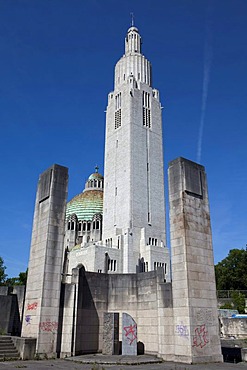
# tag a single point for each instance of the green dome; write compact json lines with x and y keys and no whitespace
{"x":86,"y":204}
{"x":95,"y":176}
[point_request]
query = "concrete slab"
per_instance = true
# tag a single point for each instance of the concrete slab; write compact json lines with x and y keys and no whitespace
{"x":60,"y":364}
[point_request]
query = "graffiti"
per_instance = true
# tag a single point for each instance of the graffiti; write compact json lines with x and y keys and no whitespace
{"x":200,"y":339}
{"x":28,"y":319}
{"x":182,"y":330}
{"x":50,"y":326}
{"x":130,"y":333}
{"x":32,"y":306}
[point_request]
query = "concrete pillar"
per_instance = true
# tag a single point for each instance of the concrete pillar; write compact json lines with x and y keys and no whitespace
{"x":193,"y":280}
{"x":45,"y":263}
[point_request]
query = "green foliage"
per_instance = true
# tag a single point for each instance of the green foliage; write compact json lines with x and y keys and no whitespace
{"x":20,"y":280}
{"x":4,"y":280}
{"x":231,"y":272}
{"x":238,"y":300}
{"x":227,"y":306}
{"x":2,"y":272}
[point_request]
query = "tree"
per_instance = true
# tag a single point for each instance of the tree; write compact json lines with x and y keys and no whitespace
{"x":20,"y":280}
{"x":231,"y":272}
{"x":2,"y":272}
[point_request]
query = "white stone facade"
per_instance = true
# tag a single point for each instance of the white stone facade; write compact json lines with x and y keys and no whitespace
{"x":134,"y":205}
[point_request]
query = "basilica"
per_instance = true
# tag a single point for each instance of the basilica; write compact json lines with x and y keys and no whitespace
{"x":104,"y":253}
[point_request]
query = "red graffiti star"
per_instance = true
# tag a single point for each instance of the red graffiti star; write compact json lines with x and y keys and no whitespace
{"x":130,"y":333}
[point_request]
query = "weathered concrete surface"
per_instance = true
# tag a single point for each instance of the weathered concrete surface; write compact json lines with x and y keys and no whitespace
{"x":45,"y":263}
{"x":86,"y":363}
{"x":196,"y":327}
{"x":129,"y":335}
{"x":25,"y":346}
{"x":110,"y":334}
{"x":234,"y":327}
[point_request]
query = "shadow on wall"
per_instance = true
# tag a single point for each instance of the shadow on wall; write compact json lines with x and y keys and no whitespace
{"x":87,"y":320}
{"x":10,"y":322}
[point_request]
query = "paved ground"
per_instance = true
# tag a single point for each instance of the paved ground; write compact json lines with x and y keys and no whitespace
{"x":139,"y":363}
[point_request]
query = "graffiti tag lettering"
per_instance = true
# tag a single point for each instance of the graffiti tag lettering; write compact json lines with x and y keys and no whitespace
{"x":182,"y":330}
{"x":200,"y":339}
{"x":32,"y":306}
{"x":50,"y":326}
{"x":130,"y":333}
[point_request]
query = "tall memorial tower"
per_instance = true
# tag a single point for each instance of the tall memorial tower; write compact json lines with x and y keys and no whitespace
{"x":134,"y":204}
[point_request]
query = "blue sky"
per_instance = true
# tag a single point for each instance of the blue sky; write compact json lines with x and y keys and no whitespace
{"x":57,"y":60}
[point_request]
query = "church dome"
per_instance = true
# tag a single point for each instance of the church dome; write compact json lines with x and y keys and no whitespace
{"x":90,"y":202}
{"x":86,"y":205}
{"x":95,"y":176}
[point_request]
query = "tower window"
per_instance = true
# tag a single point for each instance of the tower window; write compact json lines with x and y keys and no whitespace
{"x":112,"y":265}
{"x":118,"y":119}
{"x":118,"y":110}
{"x":146,"y":109}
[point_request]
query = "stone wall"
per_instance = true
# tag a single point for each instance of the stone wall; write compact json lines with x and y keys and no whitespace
{"x":234,"y":327}
{"x":144,"y":296}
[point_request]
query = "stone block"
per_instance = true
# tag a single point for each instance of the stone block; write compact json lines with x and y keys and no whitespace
{"x":110,"y":345}
{"x":129,"y":335}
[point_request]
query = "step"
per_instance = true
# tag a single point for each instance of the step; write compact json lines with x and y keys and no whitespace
{"x":5,"y":339}
{"x":10,"y":355}
{"x":6,"y":344}
{"x":12,"y":350}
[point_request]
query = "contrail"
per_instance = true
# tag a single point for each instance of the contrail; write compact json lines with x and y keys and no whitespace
{"x":208,"y":56}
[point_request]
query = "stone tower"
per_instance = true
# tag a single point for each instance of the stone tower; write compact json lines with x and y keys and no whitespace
{"x":134,"y":205}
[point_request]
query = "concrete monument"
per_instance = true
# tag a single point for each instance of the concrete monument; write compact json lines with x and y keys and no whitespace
{"x":193,"y":278}
{"x":46,"y":260}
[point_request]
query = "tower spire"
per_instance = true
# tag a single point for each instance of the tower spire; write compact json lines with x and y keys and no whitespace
{"x":132,"y":19}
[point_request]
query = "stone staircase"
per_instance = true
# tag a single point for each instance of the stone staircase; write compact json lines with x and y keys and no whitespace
{"x":7,"y":348}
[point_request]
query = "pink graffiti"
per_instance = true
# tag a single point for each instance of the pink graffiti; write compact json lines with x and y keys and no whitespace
{"x":48,"y":326}
{"x":32,"y":306}
{"x":200,"y":339}
{"x":130,"y":333}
